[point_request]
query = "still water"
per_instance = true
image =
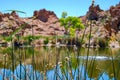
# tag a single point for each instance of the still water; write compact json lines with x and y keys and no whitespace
{"x":59,"y":63}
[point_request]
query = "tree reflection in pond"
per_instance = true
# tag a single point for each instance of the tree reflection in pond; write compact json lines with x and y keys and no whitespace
{"x":62,"y":64}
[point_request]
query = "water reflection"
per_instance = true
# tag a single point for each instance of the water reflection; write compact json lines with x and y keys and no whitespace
{"x":95,"y":57}
{"x":28,"y":73}
{"x":63,"y":63}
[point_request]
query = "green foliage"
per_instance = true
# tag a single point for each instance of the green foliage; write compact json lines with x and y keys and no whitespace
{"x":71,"y":22}
{"x":16,"y":11}
{"x":64,"y":14}
{"x":30,"y":37}
{"x":72,"y":32}
{"x":5,"y":50}
{"x":9,"y":38}
{"x":46,"y":41}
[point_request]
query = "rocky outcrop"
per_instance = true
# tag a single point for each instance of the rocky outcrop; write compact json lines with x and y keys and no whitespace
{"x":115,"y":11}
{"x":112,"y":21}
{"x":14,"y":14}
{"x":1,"y":16}
{"x":93,"y":12}
{"x":43,"y":15}
{"x":115,"y":14}
{"x":43,"y":23}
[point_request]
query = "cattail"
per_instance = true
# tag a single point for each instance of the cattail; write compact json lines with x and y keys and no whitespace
{"x":67,"y":58}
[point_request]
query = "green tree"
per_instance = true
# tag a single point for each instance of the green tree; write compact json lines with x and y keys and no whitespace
{"x":71,"y":24}
{"x":64,"y":14}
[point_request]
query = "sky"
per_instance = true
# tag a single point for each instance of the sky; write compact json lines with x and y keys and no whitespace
{"x":72,"y":7}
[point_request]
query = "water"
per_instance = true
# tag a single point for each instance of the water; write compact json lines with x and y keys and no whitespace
{"x":59,"y":63}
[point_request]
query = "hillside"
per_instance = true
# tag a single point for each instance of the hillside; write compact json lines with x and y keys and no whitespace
{"x":105,"y":25}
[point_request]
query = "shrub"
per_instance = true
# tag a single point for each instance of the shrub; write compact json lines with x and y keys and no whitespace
{"x":46,"y":41}
{"x":102,"y":42}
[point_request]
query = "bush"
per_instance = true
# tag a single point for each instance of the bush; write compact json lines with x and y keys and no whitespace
{"x":102,"y":42}
{"x":46,"y":41}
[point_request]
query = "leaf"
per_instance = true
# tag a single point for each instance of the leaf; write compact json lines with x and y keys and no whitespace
{"x":16,"y":11}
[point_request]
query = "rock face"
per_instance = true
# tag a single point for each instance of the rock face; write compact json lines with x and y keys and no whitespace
{"x":14,"y":14}
{"x":43,"y":23}
{"x":115,"y":14}
{"x":113,"y":20}
{"x":0,"y":17}
{"x":93,"y":12}
{"x":104,"y":24}
{"x":43,"y":15}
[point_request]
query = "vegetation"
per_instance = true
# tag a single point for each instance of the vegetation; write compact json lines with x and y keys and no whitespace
{"x":64,"y":14}
{"x":65,"y":63}
{"x":103,"y":42}
{"x":46,"y":41}
{"x":71,"y":24}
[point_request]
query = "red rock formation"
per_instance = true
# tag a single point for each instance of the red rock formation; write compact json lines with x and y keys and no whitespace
{"x":115,"y":11}
{"x":14,"y":14}
{"x":6,"y":15}
{"x":115,"y":14}
{"x":43,"y":15}
{"x":92,"y":14}
{"x":1,"y":16}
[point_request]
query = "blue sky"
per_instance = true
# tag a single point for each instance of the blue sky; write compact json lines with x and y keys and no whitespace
{"x":72,"y":7}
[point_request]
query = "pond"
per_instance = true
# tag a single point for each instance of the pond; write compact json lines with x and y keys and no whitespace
{"x":59,"y":63}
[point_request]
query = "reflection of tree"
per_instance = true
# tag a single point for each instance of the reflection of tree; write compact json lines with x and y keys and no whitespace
{"x":45,"y":58}
{"x":101,"y":67}
{"x":92,"y":69}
